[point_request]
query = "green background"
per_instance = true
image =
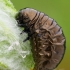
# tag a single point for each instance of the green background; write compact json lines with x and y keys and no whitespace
{"x":58,"y":10}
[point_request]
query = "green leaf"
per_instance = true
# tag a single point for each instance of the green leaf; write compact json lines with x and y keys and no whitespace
{"x":14,"y":54}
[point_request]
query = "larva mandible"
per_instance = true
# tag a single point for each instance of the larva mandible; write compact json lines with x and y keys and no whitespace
{"x":46,"y":36}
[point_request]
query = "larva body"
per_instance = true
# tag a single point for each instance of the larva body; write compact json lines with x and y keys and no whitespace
{"x":47,"y":39}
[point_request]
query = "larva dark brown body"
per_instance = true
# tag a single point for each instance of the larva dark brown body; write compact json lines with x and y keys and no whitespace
{"x":46,"y":38}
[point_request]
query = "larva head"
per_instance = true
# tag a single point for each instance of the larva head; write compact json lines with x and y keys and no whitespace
{"x":24,"y":16}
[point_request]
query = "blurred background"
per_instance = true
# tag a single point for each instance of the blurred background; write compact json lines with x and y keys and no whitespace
{"x":59,"y":10}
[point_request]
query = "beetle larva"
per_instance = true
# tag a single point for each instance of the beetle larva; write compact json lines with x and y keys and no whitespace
{"x":47,"y":39}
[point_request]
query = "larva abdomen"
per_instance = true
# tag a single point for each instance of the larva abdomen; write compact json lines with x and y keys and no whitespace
{"x":51,"y":37}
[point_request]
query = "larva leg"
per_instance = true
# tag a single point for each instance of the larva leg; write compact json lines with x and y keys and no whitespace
{"x":26,"y":39}
{"x":25,"y":30}
{"x":29,"y":36}
{"x":22,"y":32}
